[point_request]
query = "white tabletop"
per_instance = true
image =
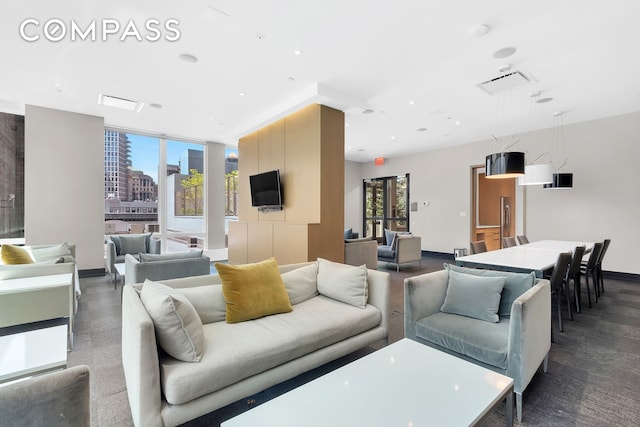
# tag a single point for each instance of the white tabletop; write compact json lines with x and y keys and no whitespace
{"x":32,"y":352}
{"x":8,"y":286}
{"x":403,"y":384}
{"x":120,"y":268}
{"x":537,"y":256}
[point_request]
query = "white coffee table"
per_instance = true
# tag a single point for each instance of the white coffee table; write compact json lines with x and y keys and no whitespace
{"x":33,"y":352}
{"x":403,"y":384}
{"x":120,"y":268}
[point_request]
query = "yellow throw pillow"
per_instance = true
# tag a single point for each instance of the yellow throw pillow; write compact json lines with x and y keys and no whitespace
{"x":253,"y":290}
{"x":11,"y":255}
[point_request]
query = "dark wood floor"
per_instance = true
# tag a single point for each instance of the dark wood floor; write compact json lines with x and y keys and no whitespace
{"x":593,"y":378}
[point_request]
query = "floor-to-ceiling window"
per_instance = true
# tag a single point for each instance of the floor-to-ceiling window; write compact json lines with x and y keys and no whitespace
{"x":155,"y":185}
{"x":11,"y":178}
{"x":386,"y":203}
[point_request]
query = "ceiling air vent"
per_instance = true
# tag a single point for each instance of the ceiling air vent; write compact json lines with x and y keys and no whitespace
{"x":123,"y":103}
{"x":504,"y":82}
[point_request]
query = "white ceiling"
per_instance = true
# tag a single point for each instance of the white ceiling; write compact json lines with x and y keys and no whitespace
{"x":356,"y":55}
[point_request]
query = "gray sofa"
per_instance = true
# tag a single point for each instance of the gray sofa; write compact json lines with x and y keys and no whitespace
{"x":241,"y":359}
{"x":119,"y":245}
{"x":165,"y":266}
{"x":515,"y":343}
{"x":362,"y":251}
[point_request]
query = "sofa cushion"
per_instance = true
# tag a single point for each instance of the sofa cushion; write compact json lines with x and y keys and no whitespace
{"x":346,"y":283}
{"x":14,"y":255}
{"x":253,"y":290}
{"x":256,"y":346}
{"x":133,"y":243}
{"x":116,"y":243}
{"x":301,"y":283}
{"x":473,"y":296}
{"x":177,"y":325}
{"x":516,"y":284}
{"x":52,"y":252}
{"x":208,"y":301}
{"x":145,"y":257}
{"x":479,"y":340}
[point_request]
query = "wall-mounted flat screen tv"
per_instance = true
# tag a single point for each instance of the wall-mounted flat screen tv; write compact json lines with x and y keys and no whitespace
{"x":266,"y":189}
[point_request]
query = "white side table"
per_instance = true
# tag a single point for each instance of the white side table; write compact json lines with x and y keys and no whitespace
{"x":34,"y":352}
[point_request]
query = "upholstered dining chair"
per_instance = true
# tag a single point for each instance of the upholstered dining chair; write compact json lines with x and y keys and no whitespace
{"x":508,"y":242}
{"x":522,"y":240}
{"x":478,"y":247}
{"x":558,"y":284}
{"x":590,"y":269}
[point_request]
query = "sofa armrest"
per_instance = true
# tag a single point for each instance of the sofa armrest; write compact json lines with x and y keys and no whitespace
{"x":137,"y":272}
{"x":529,"y":333}
{"x":408,"y":249}
{"x":423,"y":296}
{"x":379,"y":290}
{"x":111,"y":256}
{"x":140,"y":361}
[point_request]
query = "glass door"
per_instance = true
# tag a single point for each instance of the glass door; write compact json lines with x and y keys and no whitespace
{"x":385,"y":205}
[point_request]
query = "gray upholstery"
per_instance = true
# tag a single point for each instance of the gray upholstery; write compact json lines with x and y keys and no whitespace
{"x":275,"y":349}
{"x":361,"y":252}
{"x":166,"y":266}
{"x":60,"y":398}
{"x":114,"y":250}
{"x":516,"y":346}
{"x":407,"y":248}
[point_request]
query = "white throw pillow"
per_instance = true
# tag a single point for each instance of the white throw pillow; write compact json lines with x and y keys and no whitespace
{"x":177,"y":325}
{"x":50,"y":252}
{"x":301,"y":283}
{"x":343,"y":282}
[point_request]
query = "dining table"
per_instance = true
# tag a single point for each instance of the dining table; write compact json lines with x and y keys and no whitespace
{"x":539,"y":257}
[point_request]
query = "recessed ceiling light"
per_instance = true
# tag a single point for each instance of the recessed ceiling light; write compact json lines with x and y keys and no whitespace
{"x":154,"y":105}
{"x":241,"y":94}
{"x":361,"y":149}
{"x":367,"y":111}
{"x":186,"y":57}
{"x":458,"y":122}
{"x":393,"y":138}
{"x":544,"y":100}
{"x":347,"y":124}
{"x":297,"y":52}
{"x":421,"y":130}
{"x":504,"y":52}
{"x":291,"y":79}
{"x":412,"y":102}
{"x":260,"y":36}
{"x":479,"y":30}
{"x":557,"y":113}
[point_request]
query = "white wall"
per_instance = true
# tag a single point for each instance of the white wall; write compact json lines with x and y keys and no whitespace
{"x":604,"y":203}
{"x":64,"y":180}
{"x":214,"y":164}
{"x":353,"y":196}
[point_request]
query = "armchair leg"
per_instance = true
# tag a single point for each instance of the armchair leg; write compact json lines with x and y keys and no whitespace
{"x":519,"y":406}
{"x":545,"y":363}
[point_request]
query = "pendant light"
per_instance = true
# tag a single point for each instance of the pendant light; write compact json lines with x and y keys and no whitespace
{"x":560,"y":180}
{"x":504,"y":164}
{"x":537,"y":173}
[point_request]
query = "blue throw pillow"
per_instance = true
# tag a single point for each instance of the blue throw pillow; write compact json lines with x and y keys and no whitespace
{"x":348,"y":233}
{"x":473,"y":296}
{"x":516,"y":284}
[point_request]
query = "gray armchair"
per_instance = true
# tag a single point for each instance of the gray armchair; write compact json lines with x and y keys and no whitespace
{"x":404,"y":248}
{"x":515,"y":346}
{"x":119,"y":245}
{"x":361,"y":251}
{"x":60,"y":398}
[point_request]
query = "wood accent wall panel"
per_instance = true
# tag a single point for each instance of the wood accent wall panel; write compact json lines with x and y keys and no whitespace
{"x":248,"y":165}
{"x":260,"y":241}
{"x":303,"y":160}
{"x":291,"y":243}
{"x":237,"y":242}
{"x":270,"y":157}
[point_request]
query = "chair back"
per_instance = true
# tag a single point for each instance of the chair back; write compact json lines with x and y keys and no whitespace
{"x":560,"y":270}
{"x":478,"y":247}
{"x":576,"y":261}
{"x":522,"y":240}
{"x":508,"y":242}
{"x":605,"y":246}
{"x":595,"y":255}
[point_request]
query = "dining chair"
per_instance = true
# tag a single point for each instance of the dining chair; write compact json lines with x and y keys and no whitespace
{"x":605,"y":246}
{"x":522,"y":240}
{"x":478,"y":247}
{"x":573,"y":274}
{"x":590,"y":269}
{"x":558,"y":284}
{"x":508,"y":242}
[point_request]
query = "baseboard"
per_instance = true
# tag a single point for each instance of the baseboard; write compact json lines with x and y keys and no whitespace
{"x":631,"y":277}
{"x":92,"y":272}
{"x":443,"y":255}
